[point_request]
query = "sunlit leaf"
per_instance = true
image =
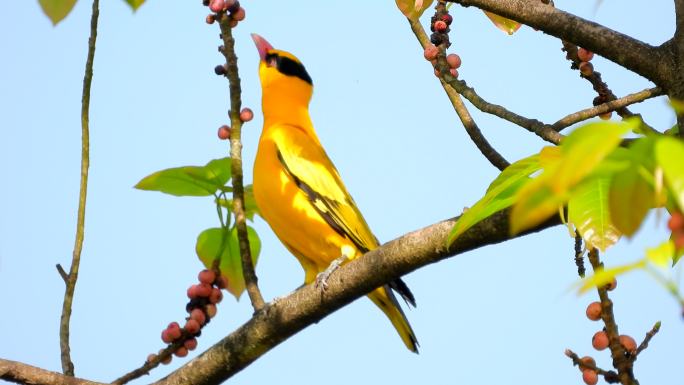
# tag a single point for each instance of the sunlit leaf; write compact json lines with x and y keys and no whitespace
{"x":135,"y":4}
{"x":57,"y":10}
{"x":507,"y":25}
{"x":661,"y":255}
{"x":413,"y":8}
{"x":215,"y":243}
{"x":629,"y":199}
{"x":588,"y":211}
{"x":669,"y":154}
{"x":250,"y":203}
{"x":189,"y":180}
{"x":534,"y":203}
{"x":499,"y":196}
{"x":603,"y":277}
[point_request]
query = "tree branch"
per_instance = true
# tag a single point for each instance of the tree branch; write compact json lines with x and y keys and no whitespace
{"x":228,"y":51}
{"x":653,"y":63}
{"x":283,"y":318}
{"x":20,"y":373}
{"x":72,"y":277}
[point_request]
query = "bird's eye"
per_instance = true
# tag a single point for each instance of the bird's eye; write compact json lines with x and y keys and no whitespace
{"x":272,"y":62}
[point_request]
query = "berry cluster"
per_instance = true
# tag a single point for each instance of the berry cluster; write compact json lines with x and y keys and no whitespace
{"x":676,"y":225}
{"x":587,"y":69}
{"x":202,"y":307}
{"x":232,"y":7}
{"x":440,"y":28}
{"x":245,"y":116}
{"x":600,"y":341}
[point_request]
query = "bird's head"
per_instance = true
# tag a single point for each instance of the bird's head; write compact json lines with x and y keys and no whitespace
{"x":282,"y":75}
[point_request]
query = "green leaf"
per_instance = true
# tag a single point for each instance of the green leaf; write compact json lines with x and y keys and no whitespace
{"x":499,"y":195}
{"x":662,"y":254}
{"x":669,"y":153}
{"x":588,"y":211}
{"x":507,"y":25}
{"x":603,"y":276}
{"x":629,"y":199}
{"x":250,"y":203}
{"x":413,"y":8}
{"x":57,"y":10}
{"x":189,"y":180}
{"x":534,"y":203}
{"x":218,"y":243}
{"x":135,"y":4}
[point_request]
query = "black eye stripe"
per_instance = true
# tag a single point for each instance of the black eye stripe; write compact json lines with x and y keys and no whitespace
{"x":289,"y":67}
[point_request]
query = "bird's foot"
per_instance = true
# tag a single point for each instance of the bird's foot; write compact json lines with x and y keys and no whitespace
{"x":322,"y":277}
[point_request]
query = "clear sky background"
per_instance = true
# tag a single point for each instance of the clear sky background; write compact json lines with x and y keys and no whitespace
{"x":503,"y":314}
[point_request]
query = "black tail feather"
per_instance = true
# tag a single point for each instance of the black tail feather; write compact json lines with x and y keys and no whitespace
{"x":400,"y":287}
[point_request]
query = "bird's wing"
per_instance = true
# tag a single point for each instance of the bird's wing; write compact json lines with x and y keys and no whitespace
{"x":314,"y":173}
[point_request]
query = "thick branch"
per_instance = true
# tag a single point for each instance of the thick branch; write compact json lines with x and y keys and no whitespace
{"x":650,"y":62}
{"x":287,"y":316}
{"x":20,"y":373}
{"x":236,"y":162}
{"x":72,"y":277}
{"x":678,"y":51}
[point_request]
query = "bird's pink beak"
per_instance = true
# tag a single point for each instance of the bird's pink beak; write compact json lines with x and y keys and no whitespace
{"x":262,"y":45}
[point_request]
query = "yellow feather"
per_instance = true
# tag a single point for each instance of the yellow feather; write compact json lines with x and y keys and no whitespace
{"x":299,"y":191}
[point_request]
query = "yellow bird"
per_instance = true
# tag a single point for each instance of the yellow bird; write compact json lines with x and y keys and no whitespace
{"x":299,"y":191}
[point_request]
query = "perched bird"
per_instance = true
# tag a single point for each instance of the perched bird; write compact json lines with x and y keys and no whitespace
{"x":300,"y":193}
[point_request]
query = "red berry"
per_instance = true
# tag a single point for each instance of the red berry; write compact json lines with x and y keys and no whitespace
{"x":246,"y":115}
{"x":584,"y":54}
{"x":238,"y":15}
{"x":430,"y":52}
{"x":454,"y":72}
{"x":590,"y":377}
{"x":166,"y":336}
{"x":217,"y":5}
{"x":173,"y":325}
{"x":224,"y":132}
{"x":588,"y":361}
{"x":198,"y":315}
{"x":447,"y":18}
{"x":600,"y":340}
{"x":192,"y":292}
{"x":174,"y":333}
{"x":628,"y":343}
{"x":151,"y":357}
{"x":206,"y":276}
{"x":586,"y":68}
{"x":676,"y":221}
{"x":216,"y":296}
{"x":221,"y":282}
{"x":210,"y":18}
{"x":679,"y":241}
{"x":440,"y":26}
{"x":232,"y":23}
{"x":453,"y":60}
{"x":192,"y":326}
{"x":220,"y":69}
{"x":611,"y":285}
{"x":203,"y":290}
{"x":211,"y":310}
{"x":167,"y":359}
{"x":190,"y":343}
{"x":181,"y":352}
{"x":594,"y":311}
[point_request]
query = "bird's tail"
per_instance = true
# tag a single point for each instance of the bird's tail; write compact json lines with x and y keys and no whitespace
{"x":387,"y":302}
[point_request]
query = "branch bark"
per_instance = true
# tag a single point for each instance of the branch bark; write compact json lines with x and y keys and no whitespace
{"x":21,"y":373}
{"x":287,"y":316}
{"x":653,"y":63}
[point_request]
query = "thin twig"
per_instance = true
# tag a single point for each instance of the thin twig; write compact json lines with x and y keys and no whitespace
{"x":612,"y":105}
{"x":609,"y":375}
{"x":468,"y":122}
{"x":579,"y":254}
{"x":67,"y":364}
{"x":153,"y":362}
{"x":621,"y":360}
{"x":651,"y":333}
{"x":62,"y":273}
{"x":228,"y":51}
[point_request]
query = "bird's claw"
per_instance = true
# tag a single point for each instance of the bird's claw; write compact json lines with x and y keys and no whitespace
{"x":322,"y":280}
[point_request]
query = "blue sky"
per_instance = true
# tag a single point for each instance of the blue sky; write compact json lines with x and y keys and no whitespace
{"x":503,"y":314}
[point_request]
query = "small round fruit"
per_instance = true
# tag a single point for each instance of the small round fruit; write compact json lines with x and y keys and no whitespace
{"x":612,"y":284}
{"x":440,"y":26}
{"x":192,"y":326}
{"x":174,"y":333}
{"x":190,"y":343}
{"x":588,"y":361}
{"x":447,"y":18}
{"x":453,"y":60}
{"x":217,"y":5}
{"x":151,"y":357}
{"x":203,"y":290}
{"x":437,"y":38}
{"x":586,"y":68}
{"x":600,"y":340}
{"x":232,"y":5}
{"x":198,"y":315}
{"x":211,"y":310}
{"x":431,"y":52}
{"x":584,"y":55}
{"x":220,"y":69}
{"x":216,"y":296}
{"x":453,"y":72}
{"x":224,"y":132}
{"x":594,"y":311}
{"x":238,"y":15}
{"x":221,"y":282}
{"x":628,"y":343}
{"x":676,"y":221}
{"x":192,"y":292}
{"x":166,"y":336}
{"x":232,"y":23}
{"x":590,"y":377}
{"x":181,"y":352}
{"x":206,"y":276}
{"x":246,"y":114}
{"x":679,"y":241}
{"x":210,"y":18}
{"x":167,"y":359}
